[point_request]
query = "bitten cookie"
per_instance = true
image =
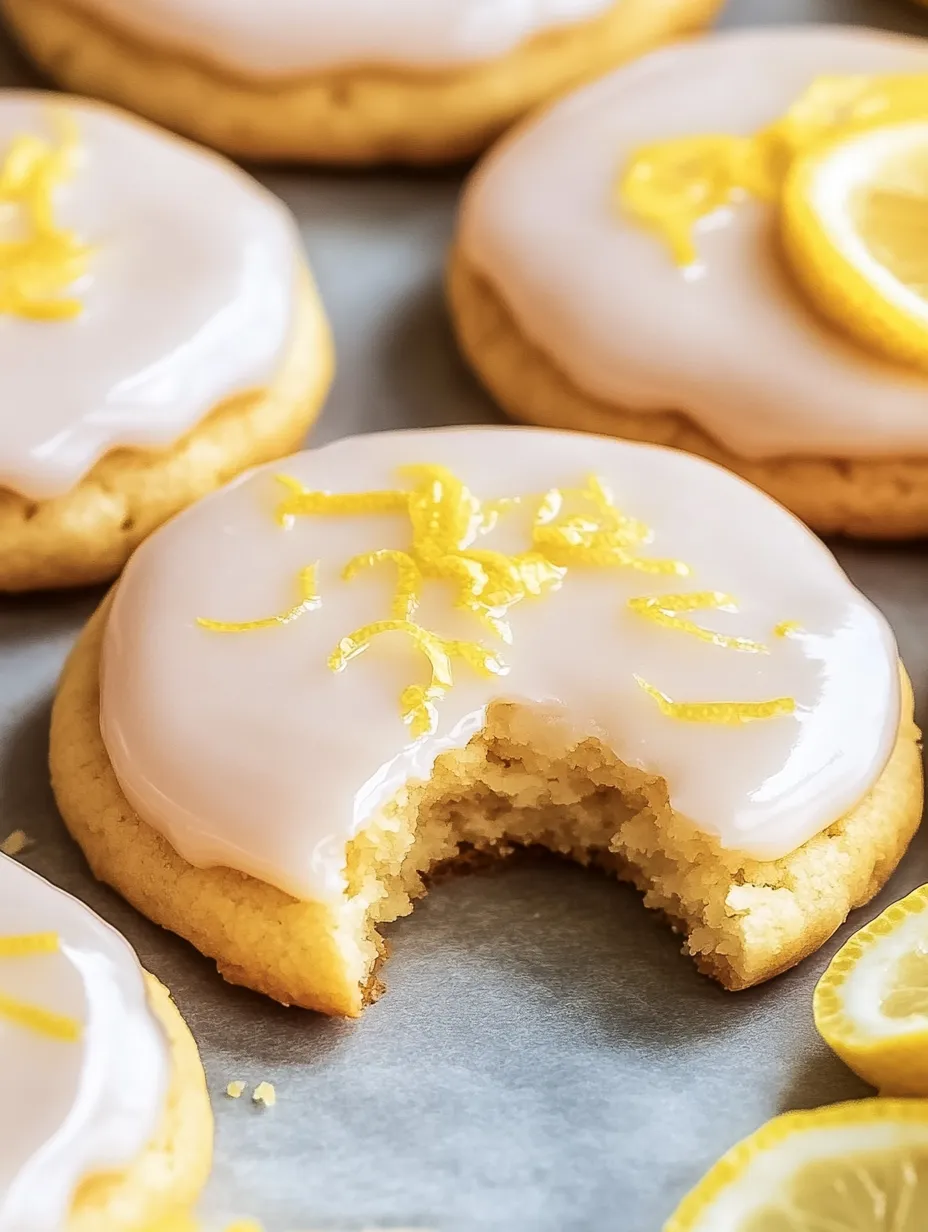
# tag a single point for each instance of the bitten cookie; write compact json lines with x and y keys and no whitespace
{"x":159,"y":333}
{"x":343,"y":670}
{"x":353,"y":81}
{"x":105,"y":1123}
{"x":649,"y":261}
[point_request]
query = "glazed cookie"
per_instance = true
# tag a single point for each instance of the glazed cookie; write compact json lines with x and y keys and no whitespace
{"x":160,"y":333}
{"x":105,"y":1124}
{"x":279,"y":724}
{"x":353,"y":81}
{"x":647,"y":260}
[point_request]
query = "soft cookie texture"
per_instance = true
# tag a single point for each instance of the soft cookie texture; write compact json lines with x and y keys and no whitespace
{"x":869,"y":498}
{"x":758,"y":918}
{"x":362,"y":106}
{"x":682,"y":687}
{"x":575,"y":314}
{"x":167,"y":1179}
{"x":161,"y":333}
{"x":88,"y":534}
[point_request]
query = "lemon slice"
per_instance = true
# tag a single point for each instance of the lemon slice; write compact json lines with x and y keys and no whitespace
{"x":855,"y":230}
{"x":856,"y":1167}
{"x":871,"y":1005}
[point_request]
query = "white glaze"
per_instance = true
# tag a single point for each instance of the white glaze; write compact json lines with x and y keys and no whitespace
{"x":246,"y":750}
{"x":190,"y":298}
{"x":735,"y":348}
{"x":288,"y":37}
{"x":70,"y":1110}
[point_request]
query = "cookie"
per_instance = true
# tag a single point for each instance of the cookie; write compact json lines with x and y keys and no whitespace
{"x":589,"y":292}
{"x":344,"y":81}
{"x":161,"y":333}
{"x":633,"y":658}
{"x":105,"y":1124}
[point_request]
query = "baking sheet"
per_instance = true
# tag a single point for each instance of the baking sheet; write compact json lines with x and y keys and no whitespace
{"x":545,"y":1059}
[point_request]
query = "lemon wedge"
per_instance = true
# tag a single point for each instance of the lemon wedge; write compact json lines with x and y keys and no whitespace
{"x":855,"y":1167}
{"x":854,"y":222}
{"x":871,"y":1005}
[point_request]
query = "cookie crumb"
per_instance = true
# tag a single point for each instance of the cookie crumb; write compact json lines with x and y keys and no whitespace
{"x":264,"y":1093}
{"x":235,"y":1089}
{"x":15,"y":843}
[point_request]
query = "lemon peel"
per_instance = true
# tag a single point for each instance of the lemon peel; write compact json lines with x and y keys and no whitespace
{"x":417,"y":702}
{"x":786,"y":628}
{"x":853,"y":223}
{"x":608,"y":539}
{"x":860,"y":1165}
{"x":33,"y":1017}
{"x":718,"y":712}
{"x":25,"y":945}
{"x":871,"y":1004}
{"x":41,"y":1021}
{"x":670,"y":186}
{"x":665,"y":610}
{"x":38,"y":268}
{"x":308,"y":601}
{"x":570,"y":528}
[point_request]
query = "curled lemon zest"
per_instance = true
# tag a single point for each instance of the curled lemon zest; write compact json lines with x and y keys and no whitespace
{"x":309,"y":600}
{"x":570,"y":528}
{"x":605,"y":538}
{"x":669,"y":186}
{"x":664,"y":610}
{"x":408,"y":583}
{"x":417,"y":702}
{"x":718,"y":712}
{"x":786,"y":627}
{"x":27,"y":944}
{"x":37,"y":268}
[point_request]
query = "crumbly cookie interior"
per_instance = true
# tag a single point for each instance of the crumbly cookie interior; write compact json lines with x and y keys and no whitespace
{"x":522,"y":781}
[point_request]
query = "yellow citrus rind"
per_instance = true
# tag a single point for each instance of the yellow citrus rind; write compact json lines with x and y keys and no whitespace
{"x":830,"y":257}
{"x":896,"y":1060}
{"x":700,"y":1209}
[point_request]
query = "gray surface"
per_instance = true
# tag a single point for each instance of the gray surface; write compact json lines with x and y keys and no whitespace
{"x":544,"y":1060}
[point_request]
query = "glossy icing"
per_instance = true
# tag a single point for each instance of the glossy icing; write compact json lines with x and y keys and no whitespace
{"x":188,"y":297}
{"x":288,"y":37}
{"x":71,"y":1109}
{"x":247,"y":750}
{"x":732,"y":343}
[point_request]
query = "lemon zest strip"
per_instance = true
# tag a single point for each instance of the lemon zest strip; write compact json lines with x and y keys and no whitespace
{"x":408,"y":582}
{"x":36,"y":269}
{"x":786,"y":627}
{"x":304,"y":502}
{"x":27,"y":944}
{"x":608,"y":539}
{"x":669,"y":186}
{"x":569,"y":527}
{"x":309,"y":600}
{"x":43,"y":1022}
{"x":718,"y":712}
{"x":418,"y":701}
{"x":664,"y":610}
